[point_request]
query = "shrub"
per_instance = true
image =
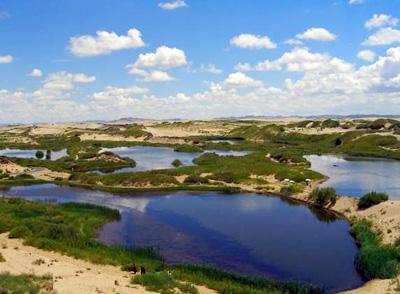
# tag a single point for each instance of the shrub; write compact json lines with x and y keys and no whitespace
{"x":39,"y":154}
{"x":371,"y":199}
{"x":324,"y":196}
{"x":177,"y":163}
{"x":292,"y":189}
{"x":163,"y":283}
{"x":18,"y":232}
{"x":195,"y":179}
{"x":330,"y":123}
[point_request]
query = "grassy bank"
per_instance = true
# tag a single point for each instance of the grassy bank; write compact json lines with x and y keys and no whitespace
{"x":24,"y":283}
{"x":375,"y":260}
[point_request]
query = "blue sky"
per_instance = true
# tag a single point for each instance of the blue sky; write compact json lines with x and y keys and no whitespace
{"x":38,"y":34}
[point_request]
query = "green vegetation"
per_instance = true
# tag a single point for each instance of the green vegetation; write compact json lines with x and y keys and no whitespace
{"x":163,"y":283}
{"x":224,"y":282}
{"x":2,"y":259}
{"x":177,"y":163}
{"x":70,"y":229}
{"x":330,"y":123}
{"x":324,"y":196}
{"x":196,"y":179}
{"x":375,"y":260}
{"x":292,"y":189}
{"x":188,"y":148}
{"x":23,"y":284}
{"x":371,"y":199}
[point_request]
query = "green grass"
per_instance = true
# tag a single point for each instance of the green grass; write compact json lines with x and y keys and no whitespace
{"x":164,"y":283}
{"x":371,"y":199}
{"x":375,"y":260}
{"x":23,"y":284}
{"x":323,"y":196}
{"x":230,"y":283}
{"x":69,"y":229}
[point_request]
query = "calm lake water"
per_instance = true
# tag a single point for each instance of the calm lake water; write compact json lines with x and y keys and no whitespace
{"x":31,"y":153}
{"x":247,"y":233}
{"x":151,"y":158}
{"x":355,"y":176}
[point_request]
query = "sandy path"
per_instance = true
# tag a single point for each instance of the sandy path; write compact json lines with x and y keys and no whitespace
{"x":69,"y":275}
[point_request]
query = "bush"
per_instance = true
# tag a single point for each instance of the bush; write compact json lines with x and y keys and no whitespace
{"x":292,"y":189}
{"x":39,"y":154}
{"x":195,"y":179}
{"x":188,"y":148}
{"x":19,"y":232}
{"x":163,"y":283}
{"x":330,"y":123}
{"x":324,"y":196}
{"x":371,"y":199}
{"x":177,"y":163}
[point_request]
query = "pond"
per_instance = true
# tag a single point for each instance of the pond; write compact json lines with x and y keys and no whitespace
{"x":246,"y":233}
{"x":31,"y":153}
{"x":355,"y":176}
{"x":152,"y":158}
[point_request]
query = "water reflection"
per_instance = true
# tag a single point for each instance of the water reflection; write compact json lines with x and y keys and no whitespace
{"x":355,"y":176}
{"x":247,"y":233}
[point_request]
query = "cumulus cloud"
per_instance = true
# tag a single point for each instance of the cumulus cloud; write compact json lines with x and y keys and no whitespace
{"x":56,"y":84}
{"x":151,"y":66}
{"x":301,"y":60}
{"x":317,"y":34}
{"x":293,"y":42}
{"x":366,"y":55}
{"x":240,"y":80}
{"x":323,"y":84}
{"x":249,"y":41}
{"x":172,"y":5}
{"x":6,"y":59}
{"x":164,"y":57}
{"x":36,"y":73}
{"x":104,"y":43}
{"x":380,"y":20}
{"x":384,"y":36}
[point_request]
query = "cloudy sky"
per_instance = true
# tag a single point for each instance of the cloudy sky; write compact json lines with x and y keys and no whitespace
{"x":75,"y":60}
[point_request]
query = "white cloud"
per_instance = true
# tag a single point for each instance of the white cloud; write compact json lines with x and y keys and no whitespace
{"x":366,"y":55}
{"x":122,"y":96}
{"x":384,"y":36}
{"x":240,"y":80}
{"x":56,"y":84}
{"x":104,"y":43}
{"x":302,"y":60}
{"x":210,"y":68}
{"x":172,"y":5}
{"x":164,"y":58}
{"x":151,"y":66}
{"x":36,"y":72}
{"x":316,"y":34}
{"x":243,"y":67}
{"x":293,"y":42}
{"x":249,"y":41}
{"x":380,"y":20}
{"x":6,"y":59}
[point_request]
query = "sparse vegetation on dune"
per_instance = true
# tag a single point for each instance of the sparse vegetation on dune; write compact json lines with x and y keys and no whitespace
{"x":371,"y":199}
{"x":25,"y":284}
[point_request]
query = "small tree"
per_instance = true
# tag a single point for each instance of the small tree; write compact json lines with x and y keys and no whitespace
{"x":324,"y":196}
{"x":48,"y":154}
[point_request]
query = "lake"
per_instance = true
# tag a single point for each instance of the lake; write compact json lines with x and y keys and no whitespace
{"x":31,"y":153}
{"x":152,"y":158}
{"x":246,"y":233}
{"x":355,"y":176}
